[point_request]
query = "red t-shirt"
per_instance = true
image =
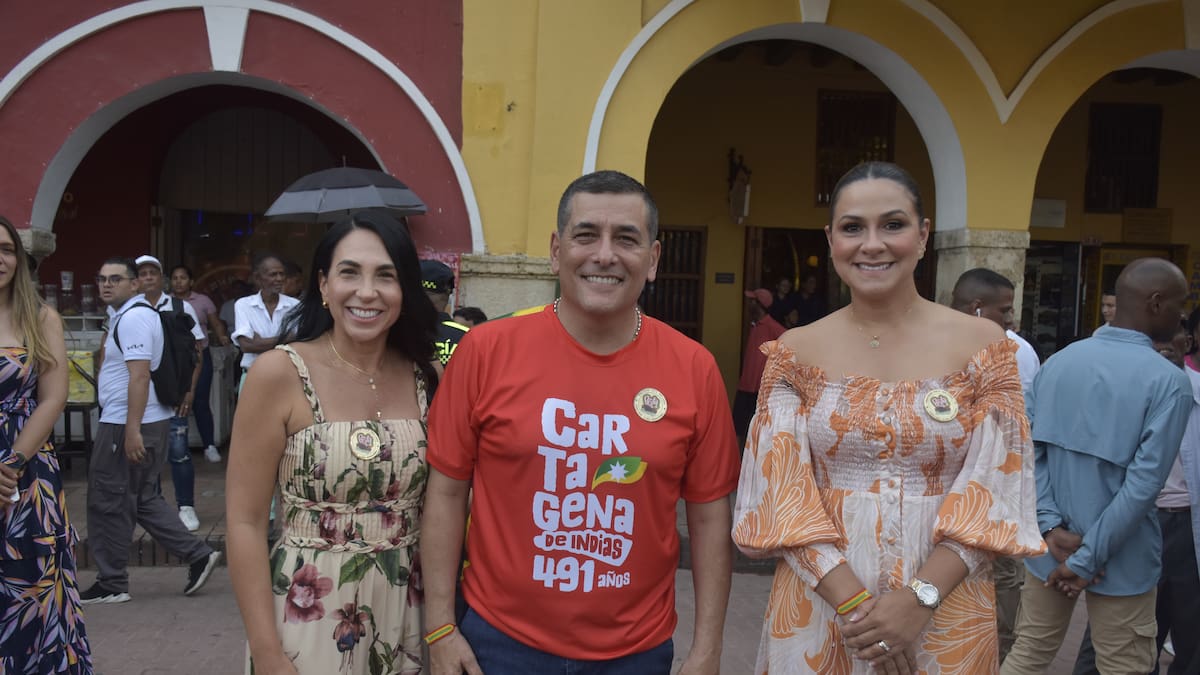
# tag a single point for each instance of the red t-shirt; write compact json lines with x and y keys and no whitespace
{"x":754,"y":362}
{"x":577,"y":463}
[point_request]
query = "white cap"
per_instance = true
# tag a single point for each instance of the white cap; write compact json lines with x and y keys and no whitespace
{"x":147,"y":260}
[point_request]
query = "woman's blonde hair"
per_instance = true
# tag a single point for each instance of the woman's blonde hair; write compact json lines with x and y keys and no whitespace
{"x":27,"y":306}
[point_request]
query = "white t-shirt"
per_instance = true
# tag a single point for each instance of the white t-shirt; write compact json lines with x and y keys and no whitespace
{"x":1028,"y":364}
{"x":141,"y":340}
{"x":251,"y":319}
{"x":164,"y":303}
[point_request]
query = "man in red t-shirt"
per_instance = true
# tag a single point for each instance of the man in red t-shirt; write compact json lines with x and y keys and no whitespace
{"x":579,"y":428}
{"x":763,"y":329}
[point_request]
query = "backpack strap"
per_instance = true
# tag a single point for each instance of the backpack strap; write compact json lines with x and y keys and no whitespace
{"x":176,"y":305}
{"x":305,"y":383}
{"x":116,"y":335}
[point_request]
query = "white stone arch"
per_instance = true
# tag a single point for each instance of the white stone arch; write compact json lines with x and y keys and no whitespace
{"x":932,"y":119}
{"x":216,"y":11}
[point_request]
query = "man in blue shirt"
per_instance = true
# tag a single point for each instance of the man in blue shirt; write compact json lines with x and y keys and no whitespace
{"x":1107,"y":417}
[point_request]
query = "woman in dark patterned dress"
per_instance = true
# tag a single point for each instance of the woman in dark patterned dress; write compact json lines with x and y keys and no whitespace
{"x":41,"y":625}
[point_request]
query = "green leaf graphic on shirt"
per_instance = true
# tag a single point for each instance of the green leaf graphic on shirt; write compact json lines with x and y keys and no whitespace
{"x":622,"y":470}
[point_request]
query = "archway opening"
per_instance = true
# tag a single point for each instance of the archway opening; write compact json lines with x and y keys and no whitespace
{"x":795,"y":115}
{"x":1116,"y":183}
{"x":187,"y":177}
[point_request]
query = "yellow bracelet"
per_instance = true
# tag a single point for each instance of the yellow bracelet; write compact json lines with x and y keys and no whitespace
{"x":439,"y":633}
{"x":858,"y":599}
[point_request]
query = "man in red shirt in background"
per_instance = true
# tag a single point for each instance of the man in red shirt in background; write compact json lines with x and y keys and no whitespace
{"x":578,"y":429}
{"x":763,"y":329}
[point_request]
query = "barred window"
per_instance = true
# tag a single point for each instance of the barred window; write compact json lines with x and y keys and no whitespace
{"x":1123,"y":146}
{"x":852,"y":127}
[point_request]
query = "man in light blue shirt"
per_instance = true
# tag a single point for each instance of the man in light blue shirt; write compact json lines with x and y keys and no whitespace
{"x":1107,"y":416}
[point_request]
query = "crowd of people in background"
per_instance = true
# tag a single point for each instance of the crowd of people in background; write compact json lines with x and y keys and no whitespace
{"x":937,"y":498}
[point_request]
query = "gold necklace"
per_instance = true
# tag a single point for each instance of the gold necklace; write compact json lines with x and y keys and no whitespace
{"x":873,"y":343}
{"x":637,"y":329}
{"x":369,"y":376}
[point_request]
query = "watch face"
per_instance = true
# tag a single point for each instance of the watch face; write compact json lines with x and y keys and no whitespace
{"x":928,"y":595}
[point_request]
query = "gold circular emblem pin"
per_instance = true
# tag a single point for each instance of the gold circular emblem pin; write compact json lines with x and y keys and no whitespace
{"x":365,"y":444}
{"x":941,"y":405}
{"x":650,"y":404}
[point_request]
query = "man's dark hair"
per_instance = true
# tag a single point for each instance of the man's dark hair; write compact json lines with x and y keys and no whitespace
{"x":291,"y":268}
{"x":973,"y":283}
{"x":608,"y":182}
{"x":472,"y":314}
{"x":121,"y":260}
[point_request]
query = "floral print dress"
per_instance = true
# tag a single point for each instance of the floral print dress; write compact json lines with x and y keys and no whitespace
{"x":345,"y":572}
{"x":875,"y":475}
{"x":41,"y":622}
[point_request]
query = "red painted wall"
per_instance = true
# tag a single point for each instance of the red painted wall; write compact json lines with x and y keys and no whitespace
{"x":423,"y":38}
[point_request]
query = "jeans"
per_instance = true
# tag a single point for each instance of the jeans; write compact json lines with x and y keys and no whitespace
{"x":499,"y":654}
{"x":200,"y":404}
{"x":183,"y":474}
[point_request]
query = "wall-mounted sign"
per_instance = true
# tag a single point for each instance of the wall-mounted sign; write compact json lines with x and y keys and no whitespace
{"x":1049,"y":213}
{"x":724,"y":277}
{"x":1146,"y":226}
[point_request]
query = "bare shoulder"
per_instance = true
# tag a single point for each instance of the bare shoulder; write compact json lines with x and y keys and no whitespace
{"x":272,"y":367}
{"x":811,"y":340}
{"x":51,"y":320}
{"x":971,"y":334}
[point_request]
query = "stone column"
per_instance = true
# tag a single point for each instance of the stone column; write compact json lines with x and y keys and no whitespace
{"x":39,"y":243}
{"x":1002,"y":251}
{"x":499,"y":284}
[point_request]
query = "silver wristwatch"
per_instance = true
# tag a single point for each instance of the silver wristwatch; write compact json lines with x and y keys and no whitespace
{"x":927,"y":594}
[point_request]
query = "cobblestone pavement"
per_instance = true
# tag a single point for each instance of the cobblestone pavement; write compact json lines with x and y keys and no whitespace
{"x":162,"y":631}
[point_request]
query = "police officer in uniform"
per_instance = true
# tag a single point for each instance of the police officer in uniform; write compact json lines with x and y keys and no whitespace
{"x":438,"y":280}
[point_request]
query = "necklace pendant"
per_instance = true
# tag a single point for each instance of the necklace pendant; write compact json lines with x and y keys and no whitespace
{"x":874,"y":342}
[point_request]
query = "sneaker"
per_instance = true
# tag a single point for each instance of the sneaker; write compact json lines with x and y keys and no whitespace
{"x":199,"y":571}
{"x":187,"y":514}
{"x":212,"y":454}
{"x":98,"y":594}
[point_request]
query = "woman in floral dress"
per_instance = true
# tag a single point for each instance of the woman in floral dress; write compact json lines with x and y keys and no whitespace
{"x":336,"y":417}
{"x":888,"y":462}
{"x":41,"y":625}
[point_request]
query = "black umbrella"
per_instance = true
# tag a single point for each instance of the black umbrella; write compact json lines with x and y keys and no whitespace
{"x":327,"y":195}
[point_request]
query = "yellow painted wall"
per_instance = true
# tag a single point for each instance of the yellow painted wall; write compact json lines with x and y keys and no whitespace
{"x":769,"y":114}
{"x":1064,"y":166}
{"x":534,"y":71}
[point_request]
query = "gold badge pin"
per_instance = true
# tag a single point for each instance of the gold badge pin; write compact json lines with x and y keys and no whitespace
{"x":941,"y":405}
{"x":365,"y":444}
{"x":650,"y":404}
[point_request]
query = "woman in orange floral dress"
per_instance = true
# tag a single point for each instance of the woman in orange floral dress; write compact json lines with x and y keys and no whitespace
{"x":890,"y":454}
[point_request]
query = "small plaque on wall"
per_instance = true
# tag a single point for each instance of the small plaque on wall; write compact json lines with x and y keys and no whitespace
{"x":1146,"y":226}
{"x":724,"y":277}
